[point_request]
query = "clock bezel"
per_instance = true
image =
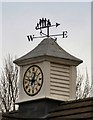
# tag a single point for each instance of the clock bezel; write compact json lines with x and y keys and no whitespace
{"x":24,"y":78}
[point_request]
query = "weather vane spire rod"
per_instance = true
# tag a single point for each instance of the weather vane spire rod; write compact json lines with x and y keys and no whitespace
{"x":42,"y":24}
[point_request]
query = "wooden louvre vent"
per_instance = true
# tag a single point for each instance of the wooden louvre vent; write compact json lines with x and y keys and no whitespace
{"x":60,"y":80}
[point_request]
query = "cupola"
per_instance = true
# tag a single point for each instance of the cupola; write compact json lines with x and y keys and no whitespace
{"x":47,"y":71}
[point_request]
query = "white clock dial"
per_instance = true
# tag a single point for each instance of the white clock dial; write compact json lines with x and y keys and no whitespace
{"x":33,"y":80}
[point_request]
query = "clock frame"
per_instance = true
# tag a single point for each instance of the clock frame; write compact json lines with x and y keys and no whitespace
{"x":33,"y":80}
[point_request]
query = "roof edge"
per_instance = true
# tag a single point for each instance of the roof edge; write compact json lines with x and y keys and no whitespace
{"x":47,"y":58}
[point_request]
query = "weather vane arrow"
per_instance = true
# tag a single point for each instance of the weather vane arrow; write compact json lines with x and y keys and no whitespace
{"x":45,"y":23}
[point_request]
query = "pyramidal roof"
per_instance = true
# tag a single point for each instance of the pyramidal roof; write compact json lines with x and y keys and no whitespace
{"x":48,"y":47}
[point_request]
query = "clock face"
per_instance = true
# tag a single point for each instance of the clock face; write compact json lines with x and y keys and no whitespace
{"x":33,"y":80}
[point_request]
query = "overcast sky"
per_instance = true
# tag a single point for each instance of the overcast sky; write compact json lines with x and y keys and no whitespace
{"x":19,"y":20}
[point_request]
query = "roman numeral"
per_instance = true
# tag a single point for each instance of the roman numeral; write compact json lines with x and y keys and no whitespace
{"x":26,"y":86}
{"x":39,"y":78}
{"x":36,"y":89}
{"x":26,"y":81}
{"x":39,"y":84}
{"x":33,"y":69}
{"x":29,"y":71}
{"x":29,"y":90}
{"x":32,"y":90}
{"x":38,"y":74}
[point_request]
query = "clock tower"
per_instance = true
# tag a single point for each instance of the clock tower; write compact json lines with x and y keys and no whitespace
{"x":47,"y":76}
{"x":47,"y":72}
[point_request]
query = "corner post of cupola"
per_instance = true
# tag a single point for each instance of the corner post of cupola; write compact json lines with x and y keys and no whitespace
{"x":73,"y":77}
{"x":46,"y":73}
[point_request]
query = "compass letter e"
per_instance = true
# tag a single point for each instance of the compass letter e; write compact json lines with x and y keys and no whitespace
{"x":64,"y":35}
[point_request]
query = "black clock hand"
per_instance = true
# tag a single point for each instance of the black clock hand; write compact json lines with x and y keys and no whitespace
{"x":33,"y":80}
{"x":35,"y":74}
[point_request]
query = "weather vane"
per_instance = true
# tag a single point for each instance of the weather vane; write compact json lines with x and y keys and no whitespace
{"x":45,"y":23}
